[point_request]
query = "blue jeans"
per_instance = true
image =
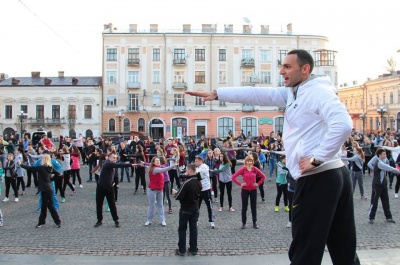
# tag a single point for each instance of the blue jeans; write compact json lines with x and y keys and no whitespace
{"x":185,"y":217}
{"x":126,"y":169}
{"x":90,"y":164}
{"x":271,"y":167}
{"x":155,"y":196}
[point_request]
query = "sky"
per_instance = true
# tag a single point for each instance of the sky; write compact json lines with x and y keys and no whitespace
{"x":54,"y":35}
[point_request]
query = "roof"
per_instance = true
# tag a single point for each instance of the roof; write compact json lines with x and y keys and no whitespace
{"x":55,"y":81}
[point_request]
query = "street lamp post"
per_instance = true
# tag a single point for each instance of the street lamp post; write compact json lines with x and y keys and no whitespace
{"x":21,"y":118}
{"x":120,"y":115}
{"x":363,"y":117}
{"x":381,"y":110}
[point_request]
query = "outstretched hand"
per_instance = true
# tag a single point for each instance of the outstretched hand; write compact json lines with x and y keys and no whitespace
{"x":207,"y":96}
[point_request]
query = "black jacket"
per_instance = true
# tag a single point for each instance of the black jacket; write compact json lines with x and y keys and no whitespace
{"x":107,"y":173}
{"x":45,"y":175}
{"x":189,"y":194}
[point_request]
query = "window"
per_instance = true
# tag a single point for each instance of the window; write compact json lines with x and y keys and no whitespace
{"x":384,"y":98}
{"x":179,"y":54}
{"x":247,"y":54}
{"x":200,"y":77}
{"x":111,"y":125}
{"x":179,"y":127}
{"x":111,"y":100}
{"x":55,"y":111}
{"x":141,"y":125}
{"x":246,"y":75}
{"x":111,"y":76}
{"x":133,"y":102}
{"x":88,"y":112}
{"x":112,"y":54}
{"x":222,"y":55}
{"x":280,"y":81}
{"x":398,"y":97}
{"x":355,"y":103}
{"x":376,"y":99}
{"x":127,"y":125}
{"x":391,"y":98}
{"x":133,"y":76}
{"x":199,"y":101}
{"x":376,"y":123}
{"x":72,"y":112}
{"x":39,"y":111}
{"x":265,"y":77}
{"x":156,"y":100}
{"x":199,"y":54}
{"x":222,"y":77}
{"x":279,"y":124}
{"x":281,"y":56}
{"x":221,"y":104}
{"x":156,"y":54}
{"x":265,"y":55}
{"x":362,"y":104}
{"x":179,"y":100}
{"x":224,"y":126}
{"x":179,"y":77}
{"x":156,"y":77}
{"x":24,"y":108}
{"x":370,"y":98}
{"x":249,"y":125}
{"x":133,"y":55}
{"x":324,"y":58}
{"x":371,"y":124}
{"x":8,"y":111}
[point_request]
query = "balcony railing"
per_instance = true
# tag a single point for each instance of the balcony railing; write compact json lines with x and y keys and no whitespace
{"x":133,"y":61}
{"x":247,"y":84}
{"x":179,"y":61}
{"x":247,"y":108}
{"x":247,"y":63}
{"x":132,"y":85}
{"x":133,"y":108}
{"x":179,"y":108}
{"x":179,"y":85}
{"x":46,"y":122}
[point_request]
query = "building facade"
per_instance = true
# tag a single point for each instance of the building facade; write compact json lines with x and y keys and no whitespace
{"x":145,"y":75}
{"x":374,"y":105}
{"x":61,"y":105}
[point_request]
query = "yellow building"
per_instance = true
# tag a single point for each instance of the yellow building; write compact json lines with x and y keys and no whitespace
{"x":378,"y":99}
{"x":145,"y":75}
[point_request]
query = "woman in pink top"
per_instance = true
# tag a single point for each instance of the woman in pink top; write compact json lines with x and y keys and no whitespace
{"x":75,"y":166}
{"x":249,"y":186}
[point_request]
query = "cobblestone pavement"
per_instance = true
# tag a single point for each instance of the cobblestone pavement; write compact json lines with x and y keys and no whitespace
{"x":77,"y":236}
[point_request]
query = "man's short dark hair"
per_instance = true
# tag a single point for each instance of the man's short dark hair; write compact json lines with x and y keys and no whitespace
{"x":192,"y":167}
{"x":199,"y":158}
{"x":379,"y":151}
{"x":303,"y":57}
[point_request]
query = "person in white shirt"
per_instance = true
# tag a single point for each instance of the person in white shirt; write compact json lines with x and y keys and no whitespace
{"x":316,"y":124}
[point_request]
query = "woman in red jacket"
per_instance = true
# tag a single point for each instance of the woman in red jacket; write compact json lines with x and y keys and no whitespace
{"x":249,"y":186}
{"x":155,"y":190}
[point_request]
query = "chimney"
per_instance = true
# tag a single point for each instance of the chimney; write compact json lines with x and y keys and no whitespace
{"x":47,"y":81}
{"x":246,"y":29}
{"x":228,"y":28}
{"x":153,"y":28}
{"x":132,"y":28}
{"x":354,"y":82}
{"x":206,"y":28}
{"x":60,"y":73}
{"x":289,"y":29}
{"x":35,"y":74}
{"x":264,"y":29}
{"x":74,"y":81}
{"x":369,"y":79}
{"x":186,"y":28}
{"x":108,"y":26}
{"x":14,"y":81}
{"x":2,"y":76}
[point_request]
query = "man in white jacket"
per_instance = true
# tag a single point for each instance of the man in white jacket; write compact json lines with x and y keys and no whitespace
{"x":315,"y":127}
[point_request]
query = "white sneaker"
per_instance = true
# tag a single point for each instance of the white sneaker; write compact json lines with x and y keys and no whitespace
{"x":396,"y":195}
{"x":6,"y":199}
{"x":81,"y":186}
{"x":216,"y":200}
{"x":147,"y":223}
{"x":16,"y":200}
{"x":212,"y":193}
{"x":212,"y":225}
{"x":289,"y":224}
{"x":1,"y":223}
{"x":163,"y":223}
{"x":231,"y":209}
{"x":220,"y":209}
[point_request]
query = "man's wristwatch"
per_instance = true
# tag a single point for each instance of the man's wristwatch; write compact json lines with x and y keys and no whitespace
{"x":315,"y":162}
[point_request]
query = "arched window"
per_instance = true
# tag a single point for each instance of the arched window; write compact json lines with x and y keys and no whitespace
{"x":225,"y":125}
{"x":111,"y":125}
{"x":127,"y":125}
{"x":89,"y":134}
{"x":72,"y":134}
{"x":141,"y":125}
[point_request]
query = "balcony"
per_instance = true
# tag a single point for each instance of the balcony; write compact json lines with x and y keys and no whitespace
{"x":246,"y":84}
{"x":247,"y":108}
{"x":46,"y":122}
{"x":133,"y":108}
{"x":179,"y":61}
{"x":133,"y":85}
{"x":247,"y":63}
{"x":179,"y":108}
{"x":179,"y":85}
{"x":133,"y":62}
